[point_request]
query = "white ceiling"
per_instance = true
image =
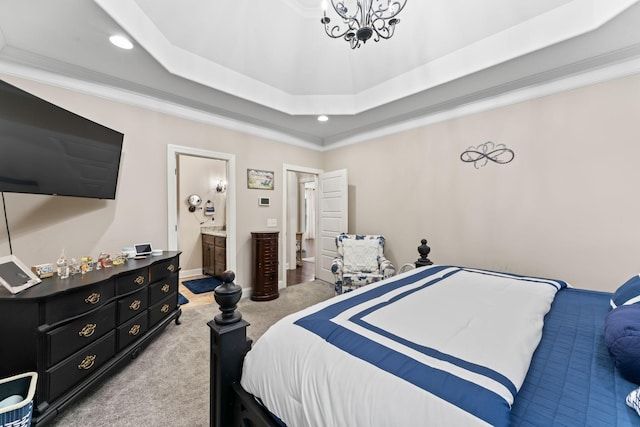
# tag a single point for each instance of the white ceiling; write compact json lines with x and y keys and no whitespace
{"x":269,"y":64}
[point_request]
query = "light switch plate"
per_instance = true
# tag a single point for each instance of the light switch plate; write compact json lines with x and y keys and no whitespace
{"x":272,"y":222}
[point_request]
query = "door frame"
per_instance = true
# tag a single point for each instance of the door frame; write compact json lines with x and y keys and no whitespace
{"x":173,"y":151}
{"x":286,"y":168}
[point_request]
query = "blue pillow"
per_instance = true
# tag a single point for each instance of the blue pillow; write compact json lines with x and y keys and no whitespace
{"x":628,"y":293}
{"x":622,"y":336}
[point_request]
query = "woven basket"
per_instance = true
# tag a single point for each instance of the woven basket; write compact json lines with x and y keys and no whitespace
{"x":18,"y":414}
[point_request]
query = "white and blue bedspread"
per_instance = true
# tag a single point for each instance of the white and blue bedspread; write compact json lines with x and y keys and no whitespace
{"x":440,"y":345}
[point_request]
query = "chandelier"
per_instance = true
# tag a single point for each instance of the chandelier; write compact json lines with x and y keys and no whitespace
{"x":363,"y":19}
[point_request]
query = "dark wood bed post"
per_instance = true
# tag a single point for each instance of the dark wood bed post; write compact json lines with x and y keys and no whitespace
{"x":229,"y":345}
{"x":423,"y":250}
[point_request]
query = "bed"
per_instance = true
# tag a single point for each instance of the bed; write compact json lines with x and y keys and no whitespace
{"x":437,"y":345}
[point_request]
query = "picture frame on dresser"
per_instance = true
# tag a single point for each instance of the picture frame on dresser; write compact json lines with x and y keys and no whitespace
{"x":15,"y":276}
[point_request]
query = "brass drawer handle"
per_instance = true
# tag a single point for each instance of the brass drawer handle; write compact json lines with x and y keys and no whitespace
{"x":135,"y":305}
{"x":139,"y":280}
{"x":88,"y":330}
{"x":165,"y":308}
{"x":135,"y":329}
{"x":171,"y":268}
{"x":165,"y":288}
{"x":94,"y":298}
{"x":88,"y":362}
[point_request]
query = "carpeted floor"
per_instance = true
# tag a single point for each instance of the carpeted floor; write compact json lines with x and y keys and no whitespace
{"x":168,"y":384}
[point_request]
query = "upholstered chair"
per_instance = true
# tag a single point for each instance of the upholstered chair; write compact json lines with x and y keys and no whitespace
{"x":360,"y":261}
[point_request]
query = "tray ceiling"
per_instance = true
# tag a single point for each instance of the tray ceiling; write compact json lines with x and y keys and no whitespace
{"x":270,"y":66}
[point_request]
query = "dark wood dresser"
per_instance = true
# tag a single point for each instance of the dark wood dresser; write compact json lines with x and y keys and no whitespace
{"x":264,"y":249}
{"x":214,"y":254}
{"x":75,"y":332}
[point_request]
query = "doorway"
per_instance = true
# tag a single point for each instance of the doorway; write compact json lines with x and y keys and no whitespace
{"x":173,"y":177}
{"x":302,"y":223}
{"x":299,"y":224}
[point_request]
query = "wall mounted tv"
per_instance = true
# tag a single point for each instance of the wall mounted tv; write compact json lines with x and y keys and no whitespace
{"x":45,"y":149}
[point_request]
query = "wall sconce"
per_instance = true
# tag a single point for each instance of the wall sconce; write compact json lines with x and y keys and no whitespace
{"x":221,"y":186}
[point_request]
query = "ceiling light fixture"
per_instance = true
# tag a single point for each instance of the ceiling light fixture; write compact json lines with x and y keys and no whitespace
{"x":121,"y":41}
{"x":363,"y":19}
{"x":323,"y":118}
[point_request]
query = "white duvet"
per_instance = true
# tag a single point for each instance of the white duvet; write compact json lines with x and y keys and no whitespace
{"x":435,"y":346}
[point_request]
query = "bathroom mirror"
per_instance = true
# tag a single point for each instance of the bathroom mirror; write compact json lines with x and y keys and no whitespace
{"x":194,"y":201}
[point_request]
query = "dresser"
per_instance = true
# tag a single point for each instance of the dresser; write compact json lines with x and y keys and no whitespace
{"x":76,"y":332}
{"x":214,"y":254}
{"x":264,"y":249}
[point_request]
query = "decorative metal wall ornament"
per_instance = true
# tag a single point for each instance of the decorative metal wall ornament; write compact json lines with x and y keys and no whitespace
{"x":483,"y":153}
{"x":363,"y":19}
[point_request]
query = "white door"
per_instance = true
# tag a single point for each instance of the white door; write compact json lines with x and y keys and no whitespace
{"x":333,"y":217}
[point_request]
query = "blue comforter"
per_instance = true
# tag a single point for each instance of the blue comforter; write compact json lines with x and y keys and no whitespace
{"x":572,"y":380}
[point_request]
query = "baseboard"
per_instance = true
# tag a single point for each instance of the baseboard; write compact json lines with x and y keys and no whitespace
{"x":190,"y":273}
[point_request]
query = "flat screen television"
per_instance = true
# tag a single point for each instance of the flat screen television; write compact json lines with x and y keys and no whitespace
{"x":45,"y":149}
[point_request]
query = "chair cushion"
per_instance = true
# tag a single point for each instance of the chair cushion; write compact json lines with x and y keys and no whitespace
{"x":361,"y":255}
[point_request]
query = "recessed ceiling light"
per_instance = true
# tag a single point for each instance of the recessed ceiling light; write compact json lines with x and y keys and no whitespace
{"x":323,"y":118}
{"x":121,"y":41}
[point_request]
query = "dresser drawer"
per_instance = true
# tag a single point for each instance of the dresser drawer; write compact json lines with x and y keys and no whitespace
{"x":159,"y":311}
{"x":270,"y":263}
{"x":271,"y":287}
{"x":130,"y":331}
{"x":132,"y":281}
{"x":132,"y":305}
{"x":219,"y":268}
{"x":270,"y":250}
{"x":71,"y":337}
{"x":161,"y":289}
{"x":80,"y":365}
{"x":163,"y":269}
{"x":220,"y":254}
{"x":220,"y":242}
{"x":78,"y":302}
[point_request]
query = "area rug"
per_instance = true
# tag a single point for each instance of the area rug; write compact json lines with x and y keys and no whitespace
{"x":200,"y":286}
{"x":182,"y":300}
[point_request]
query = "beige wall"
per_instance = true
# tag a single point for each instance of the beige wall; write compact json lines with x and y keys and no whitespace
{"x":567,"y":207}
{"x":41,"y":226}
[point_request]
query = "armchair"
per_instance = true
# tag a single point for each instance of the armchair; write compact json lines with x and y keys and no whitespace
{"x":360,"y":261}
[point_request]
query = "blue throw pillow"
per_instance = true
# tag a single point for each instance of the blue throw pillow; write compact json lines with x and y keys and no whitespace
{"x":628,"y":293}
{"x":622,"y":336}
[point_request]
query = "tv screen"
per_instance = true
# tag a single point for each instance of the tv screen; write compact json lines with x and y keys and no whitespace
{"x":45,"y":149}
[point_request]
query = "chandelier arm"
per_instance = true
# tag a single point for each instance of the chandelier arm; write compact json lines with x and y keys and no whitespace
{"x":342,"y":10}
{"x":398,"y":6}
{"x":383,"y":30}
{"x":370,"y":19}
{"x":394,"y":8}
{"x":336,"y":32}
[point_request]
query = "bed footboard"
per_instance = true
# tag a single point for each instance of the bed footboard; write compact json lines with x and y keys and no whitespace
{"x":248,"y":412}
{"x":229,"y":404}
{"x":229,"y":345}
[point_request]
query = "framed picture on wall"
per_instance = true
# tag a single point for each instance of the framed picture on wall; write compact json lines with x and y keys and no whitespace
{"x":259,"y":179}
